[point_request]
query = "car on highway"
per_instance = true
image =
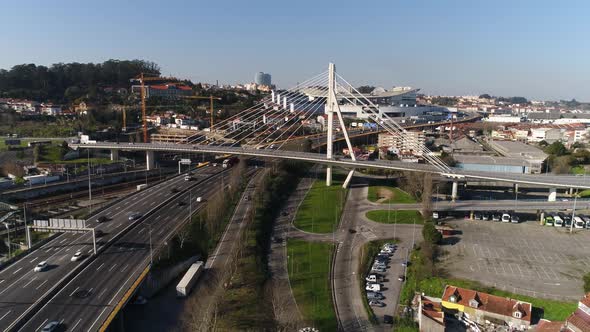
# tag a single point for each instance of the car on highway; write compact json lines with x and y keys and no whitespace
{"x":102,"y":219}
{"x":375,"y":296}
{"x":77,"y":256}
{"x":376,"y":303}
{"x":51,"y":326}
{"x":134,"y":216}
{"x":180,"y":203}
{"x":42,"y":266}
{"x":174,"y":190}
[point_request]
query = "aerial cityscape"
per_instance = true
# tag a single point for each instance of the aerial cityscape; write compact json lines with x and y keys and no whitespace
{"x":278,"y":167}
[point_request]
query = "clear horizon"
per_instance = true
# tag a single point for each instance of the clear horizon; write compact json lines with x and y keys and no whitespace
{"x":533,"y":49}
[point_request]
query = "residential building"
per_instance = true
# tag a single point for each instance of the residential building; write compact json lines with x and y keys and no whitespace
{"x":429,"y":314}
{"x":504,"y":119}
{"x":579,"y":321}
{"x":168,"y":90}
{"x":483,"y":309}
{"x":23,"y":106}
{"x":411,"y":142}
{"x":50,"y":109}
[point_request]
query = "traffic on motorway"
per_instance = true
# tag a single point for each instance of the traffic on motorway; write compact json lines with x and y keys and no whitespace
{"x":25,"y":283}
{"x":89,"y":299}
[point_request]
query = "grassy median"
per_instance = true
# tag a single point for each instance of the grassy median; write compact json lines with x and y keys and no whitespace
{"x":321,"y":209}
{"x":309,"y":275}
{"x":395,"y":216}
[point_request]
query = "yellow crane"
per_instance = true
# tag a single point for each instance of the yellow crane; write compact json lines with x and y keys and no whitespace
{"x":210,"y":97}
{"x":142,"y":78}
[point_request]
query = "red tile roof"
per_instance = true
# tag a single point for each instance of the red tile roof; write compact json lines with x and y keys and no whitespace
{"x":579,"y":319}
{"x":586,"y":300}
{"x":547,"y":326}
{"x":487,"y":302}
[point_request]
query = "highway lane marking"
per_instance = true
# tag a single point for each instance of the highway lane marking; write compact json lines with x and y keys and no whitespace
{"x":15,"y":272}
{"x":75,"y":290}
{"x":112,"y":267}
{"x":62,"y":241}
{"x":90,"y":251}
{"x":34,"y":259}
{"x":6,"y":314}
{"x":3,"y":280}
{"x":98,"y":268}
{"x":76,"y":325}
{"x":40,"y":326}
{"x":124,"y":268}
{"x":97,"y":318}
{"x":43,"y":283}
{"x":101,"y":293}
{"x":141,"y":231}
{"x":28,"y":283}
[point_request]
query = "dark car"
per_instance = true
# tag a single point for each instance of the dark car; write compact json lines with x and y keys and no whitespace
{"x":174,"y":190}
{"x":485,"y":216}
{"x":477,"y":216}
{"x":102,"y":219}
{"x":387,"y":319}
{"x":181,"y":203}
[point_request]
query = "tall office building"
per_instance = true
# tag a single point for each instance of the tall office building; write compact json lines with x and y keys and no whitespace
{"x":262,"y":79}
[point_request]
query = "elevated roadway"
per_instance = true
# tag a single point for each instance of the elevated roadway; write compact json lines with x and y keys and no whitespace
{"x":90,"y":300}
{"x":22,"y":289}
{"x":491,"y":205}
{"x":551,"y":181}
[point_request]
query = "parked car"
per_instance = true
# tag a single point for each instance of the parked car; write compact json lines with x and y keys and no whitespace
{"x":549,"y":220}
{"x":557,"y":221}
{"x":496,"y":216}
{"x":401,"y":278}
{"x":515,"y":219}
{"x":477,"y":216}
{"x":505,"y":217}
{"x":374,"y":296}
{"x":387,"y":319}
{"x":376,"y":303}
{"x":567,"y":221}
{"x":579,"y":222}
{"x":377,"y":269}
{"x":485,"y":216}
{"x":42,"y":266}
{"x":406,"y":263}
{"x":371,"y":278}
{"x":373,"y":287}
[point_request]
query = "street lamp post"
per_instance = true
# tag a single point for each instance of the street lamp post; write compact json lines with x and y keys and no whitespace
{"x":574,"y":212}
{"x":8,"y":234}
{"x":89,"y":183}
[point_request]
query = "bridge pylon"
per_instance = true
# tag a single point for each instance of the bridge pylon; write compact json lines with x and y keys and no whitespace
{"x":331,"y":108}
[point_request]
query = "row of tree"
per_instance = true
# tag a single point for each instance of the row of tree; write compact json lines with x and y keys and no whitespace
{"x":64,"y":82}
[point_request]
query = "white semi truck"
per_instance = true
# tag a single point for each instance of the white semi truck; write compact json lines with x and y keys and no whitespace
{"x":190,"y":278}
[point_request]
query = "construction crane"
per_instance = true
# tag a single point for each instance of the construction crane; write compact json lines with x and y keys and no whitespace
{"x":142,"y":78}
{"x":211,"y":105}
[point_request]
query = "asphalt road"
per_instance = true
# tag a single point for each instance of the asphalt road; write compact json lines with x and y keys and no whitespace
{"x":22,"y":287}
{"x":493,"y":205}
{"x":87,"y":300}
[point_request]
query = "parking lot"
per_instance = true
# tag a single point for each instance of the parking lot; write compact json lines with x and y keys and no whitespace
{"x":525,"y":258}
{"x":390,"y":285}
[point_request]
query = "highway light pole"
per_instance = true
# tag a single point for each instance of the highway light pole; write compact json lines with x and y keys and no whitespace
{"x":89,"y":183}
{"x":8,"y":234}
{"x":574,"y":212}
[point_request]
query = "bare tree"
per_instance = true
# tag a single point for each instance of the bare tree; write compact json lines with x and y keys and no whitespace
{"x":427,"y":195}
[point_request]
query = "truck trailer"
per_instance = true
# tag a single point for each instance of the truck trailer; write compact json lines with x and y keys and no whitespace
{"x":190,"y":278}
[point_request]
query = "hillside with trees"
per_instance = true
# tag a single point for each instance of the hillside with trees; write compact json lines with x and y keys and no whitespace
{"x":66,"y":82}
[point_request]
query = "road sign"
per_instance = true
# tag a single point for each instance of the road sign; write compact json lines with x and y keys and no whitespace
{"x":60,"y":223}
{"x":185,"y":161}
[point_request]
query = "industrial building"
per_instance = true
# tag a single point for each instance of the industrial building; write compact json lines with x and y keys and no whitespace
{"x":514,"y":157}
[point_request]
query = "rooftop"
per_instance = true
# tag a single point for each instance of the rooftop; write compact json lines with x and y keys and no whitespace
{"x":518,"y":150}
{"x":486,"y":302}
{"x":491,"y":160}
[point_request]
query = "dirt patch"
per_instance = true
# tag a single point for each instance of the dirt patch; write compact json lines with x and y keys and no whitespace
{"x":384,"y":194}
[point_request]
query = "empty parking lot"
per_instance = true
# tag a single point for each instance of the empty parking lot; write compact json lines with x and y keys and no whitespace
{"x":525,"y":258}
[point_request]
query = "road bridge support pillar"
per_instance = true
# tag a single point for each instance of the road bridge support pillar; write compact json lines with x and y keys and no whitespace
{"x":454,"y":191}
{"x":552,"y":195}
{"x":149,"y":160}
{"x":114,"y":155}
{"x":571,"y":191}
{"x":516,"y":187}
{"x":542,"y":218}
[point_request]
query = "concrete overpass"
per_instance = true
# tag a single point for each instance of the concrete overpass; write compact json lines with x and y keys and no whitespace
{"x":544,"y":180}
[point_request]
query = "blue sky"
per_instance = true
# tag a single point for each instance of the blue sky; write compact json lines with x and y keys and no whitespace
{"x":537,"y":49}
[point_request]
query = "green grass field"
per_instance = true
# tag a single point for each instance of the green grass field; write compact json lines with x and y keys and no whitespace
{"x":397,"y":195}
{"x":321,"y":208}
{"x":309,"y":274}
{"x":395,"y":216}
{"x":578,"y":170}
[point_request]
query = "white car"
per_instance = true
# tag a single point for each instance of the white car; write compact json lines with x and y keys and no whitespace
{"x":371,"y":278}
{"x":377,"y":269}
{"x":77,"y":256}
{"x":41,"y":266}
{"x":373,"y":287}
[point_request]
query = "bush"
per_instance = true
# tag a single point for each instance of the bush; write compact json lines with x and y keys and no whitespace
{"x":430,"y":234}
{"x":586,"y":279}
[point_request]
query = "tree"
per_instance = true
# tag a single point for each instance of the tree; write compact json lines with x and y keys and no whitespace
{"x":586,"y":279}
{"x":366,"y":89}
{"x":556,"y":149}
{"x":485,"y":96}
{"x":430,"y":233}
{"x":427,"y":195}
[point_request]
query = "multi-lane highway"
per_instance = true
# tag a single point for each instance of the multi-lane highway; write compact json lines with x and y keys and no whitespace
{"x":493,"y":205}
{"x":87,"y":301}
{"x":22,"y":289}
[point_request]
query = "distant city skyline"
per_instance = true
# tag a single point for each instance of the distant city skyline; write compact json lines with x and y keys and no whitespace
{"x":534,"y":49}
